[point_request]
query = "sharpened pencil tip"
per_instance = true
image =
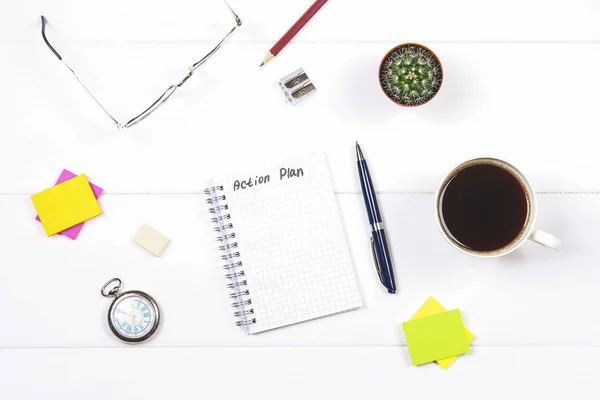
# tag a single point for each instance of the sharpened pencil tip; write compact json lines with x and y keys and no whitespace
{"x":261,"y":64}
{"x":268,"y":58}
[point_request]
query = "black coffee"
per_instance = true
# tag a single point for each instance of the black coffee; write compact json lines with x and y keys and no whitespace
{"x":483,"y":207}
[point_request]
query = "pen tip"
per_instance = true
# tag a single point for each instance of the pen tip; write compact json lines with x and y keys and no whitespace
{"x":359,"y":154}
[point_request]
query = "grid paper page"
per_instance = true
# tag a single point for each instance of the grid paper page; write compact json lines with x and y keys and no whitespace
{"x":291,"y":243}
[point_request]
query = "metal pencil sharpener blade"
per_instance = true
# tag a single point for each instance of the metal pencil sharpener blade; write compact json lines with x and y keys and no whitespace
{"x":297,"y":86}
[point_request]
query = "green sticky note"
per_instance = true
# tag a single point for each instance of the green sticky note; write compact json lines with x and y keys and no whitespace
{"x":435,"y":337}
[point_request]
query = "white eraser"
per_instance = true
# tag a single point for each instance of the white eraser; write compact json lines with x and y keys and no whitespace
{"x":151,"y":240}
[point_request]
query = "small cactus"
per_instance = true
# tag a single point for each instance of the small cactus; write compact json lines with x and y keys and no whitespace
{"x":410,"y":75}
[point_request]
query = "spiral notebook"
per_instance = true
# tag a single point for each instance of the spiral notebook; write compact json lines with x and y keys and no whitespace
{"x":282,"y":244}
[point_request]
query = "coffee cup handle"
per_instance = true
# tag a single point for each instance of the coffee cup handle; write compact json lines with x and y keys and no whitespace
{"x":545,"y":239}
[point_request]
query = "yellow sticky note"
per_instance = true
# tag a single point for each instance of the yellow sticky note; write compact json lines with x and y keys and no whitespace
{"x":66,"y":204}
{"x":432,"y":306}
{"x":435,"y":337}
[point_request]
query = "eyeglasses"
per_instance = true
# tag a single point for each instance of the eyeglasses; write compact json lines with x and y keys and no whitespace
{"x":163,"y":97}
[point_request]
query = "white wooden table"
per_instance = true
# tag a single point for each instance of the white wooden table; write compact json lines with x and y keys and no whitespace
{"x":520,"y":83}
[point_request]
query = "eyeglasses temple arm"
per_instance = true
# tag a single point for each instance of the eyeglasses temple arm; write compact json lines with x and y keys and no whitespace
{"x":238,"y":23}
{"x":144,"y":114}
{"x":44,"y":21}
{"x":165,"y":96}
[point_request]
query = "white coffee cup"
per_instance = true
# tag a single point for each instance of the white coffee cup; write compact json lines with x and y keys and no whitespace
{"x":528,"y":231}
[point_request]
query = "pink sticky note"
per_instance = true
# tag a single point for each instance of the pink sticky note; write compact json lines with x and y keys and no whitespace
{"x":73,"y":231}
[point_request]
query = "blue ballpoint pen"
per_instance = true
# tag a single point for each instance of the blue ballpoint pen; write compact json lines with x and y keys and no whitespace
{"x":379,"y":246}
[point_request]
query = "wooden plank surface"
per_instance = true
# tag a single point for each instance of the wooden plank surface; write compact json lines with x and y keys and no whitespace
{"x":339,"y":20}
{"x":493,"y":373}
{"x":487,"y":106}
{"x":524,"y":299}
{"x":519,"y":84}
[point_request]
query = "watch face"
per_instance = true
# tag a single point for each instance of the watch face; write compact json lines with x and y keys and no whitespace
{"x":133,"y":316}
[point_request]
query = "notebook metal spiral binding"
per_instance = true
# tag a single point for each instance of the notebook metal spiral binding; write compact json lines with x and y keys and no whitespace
{"x":233,"y":266}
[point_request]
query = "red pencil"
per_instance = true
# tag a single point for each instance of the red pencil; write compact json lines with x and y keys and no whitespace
{"x":293,"y":31}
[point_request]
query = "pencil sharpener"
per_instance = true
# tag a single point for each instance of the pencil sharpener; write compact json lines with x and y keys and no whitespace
{"x":297,"y":87}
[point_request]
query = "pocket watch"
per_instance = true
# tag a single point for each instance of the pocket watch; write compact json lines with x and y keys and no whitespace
{"x":133,"y":316}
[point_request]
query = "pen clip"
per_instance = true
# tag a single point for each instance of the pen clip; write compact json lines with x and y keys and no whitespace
{"x":377,"y":267}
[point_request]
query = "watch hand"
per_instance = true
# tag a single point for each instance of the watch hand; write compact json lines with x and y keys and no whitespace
{"x":128,"y":313}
